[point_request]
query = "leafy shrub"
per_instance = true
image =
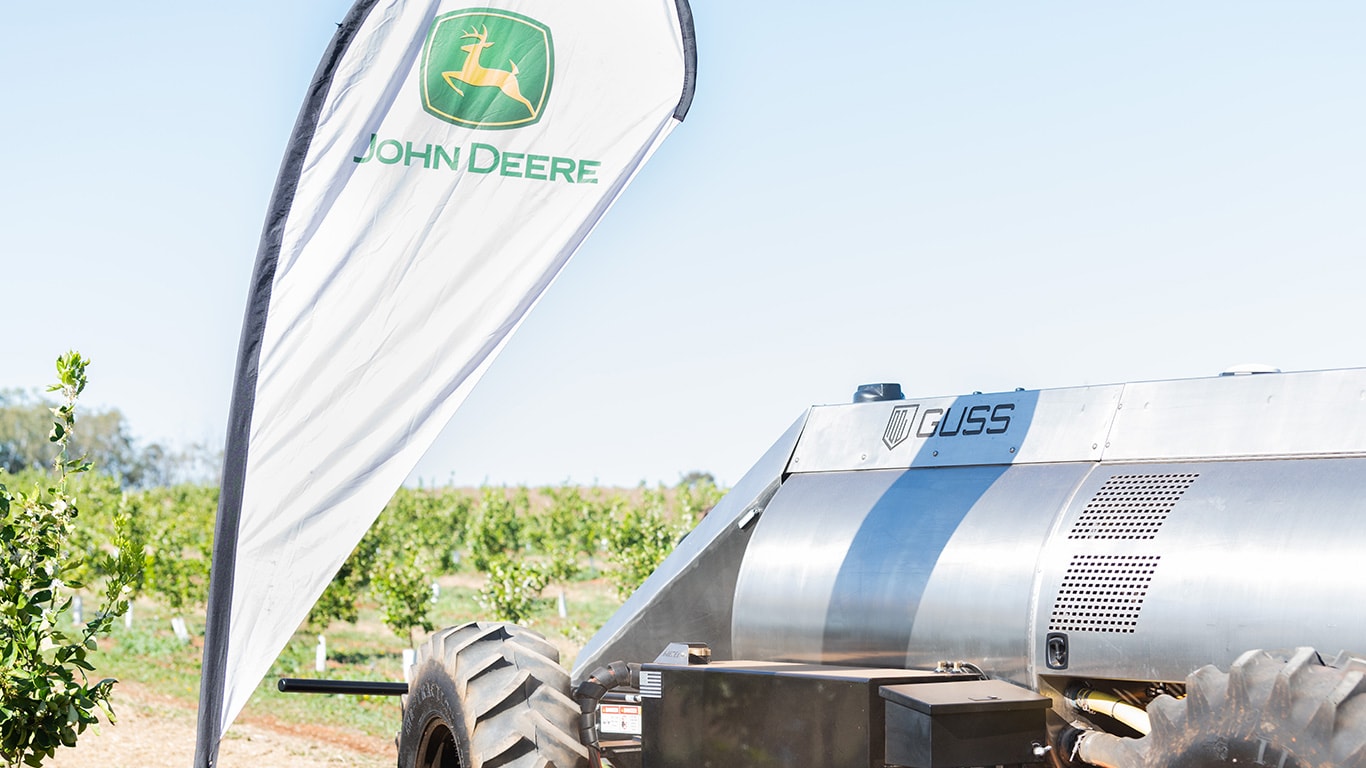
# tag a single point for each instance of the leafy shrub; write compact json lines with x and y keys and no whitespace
{"x":512,"y":589}
{"x":496,"y":531}
{"x":402,"y":589}
{"x":416,"y":523}
{"x":177,"y":525}
{"x":46,"y":696}
{"x":697,"y":494}
{"x":639,"y":540}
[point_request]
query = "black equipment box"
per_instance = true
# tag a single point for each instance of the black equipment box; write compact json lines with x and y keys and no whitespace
{"x":963,"y":723}
{"x":767,"y":714}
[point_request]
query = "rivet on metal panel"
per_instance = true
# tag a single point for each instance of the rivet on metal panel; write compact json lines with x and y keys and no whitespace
{"x":936,"y":453}
{"x":863,"y":457}
{"x":1094,"y":446}
{"x":1012,"y":450}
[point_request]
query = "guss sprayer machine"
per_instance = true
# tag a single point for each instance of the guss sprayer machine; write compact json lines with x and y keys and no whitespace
{"x":1149,"y":574}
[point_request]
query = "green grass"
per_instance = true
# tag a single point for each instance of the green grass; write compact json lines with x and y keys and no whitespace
{"x":150,"y":656}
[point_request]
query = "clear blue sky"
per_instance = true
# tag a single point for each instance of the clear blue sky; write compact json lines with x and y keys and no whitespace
{"x":957,"y":196}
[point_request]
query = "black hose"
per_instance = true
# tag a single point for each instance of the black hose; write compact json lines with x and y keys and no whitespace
{"x":589,"y":694}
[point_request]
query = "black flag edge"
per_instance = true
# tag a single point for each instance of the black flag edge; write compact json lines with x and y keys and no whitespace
{"x":685,"y":25}
{"x":218,"y":611}
{"x":233,"y":481}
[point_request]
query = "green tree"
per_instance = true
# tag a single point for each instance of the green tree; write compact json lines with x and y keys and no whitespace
{"x":697,"y":493}
{"x":430,"y":521}
{"x":404,"y":593}
{"x":640,"y":540}
{"x":556,"y":531}
{"x":496,"y":531}
{"x":105,"y":509}
{"x":512,"y":588}
{"x":416,"y":525}
{"x":340,"y":601}
{"x":177,"y":525}
{"x":24,"y":425}
{"x":105,"y":438}
{"x":46,"y":696}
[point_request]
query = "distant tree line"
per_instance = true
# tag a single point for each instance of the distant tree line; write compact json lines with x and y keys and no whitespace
{"x":26,"y":421}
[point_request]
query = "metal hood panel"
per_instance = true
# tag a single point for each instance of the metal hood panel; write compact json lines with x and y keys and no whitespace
{"x":1315,"y":413}
{"x":1001,"y":428}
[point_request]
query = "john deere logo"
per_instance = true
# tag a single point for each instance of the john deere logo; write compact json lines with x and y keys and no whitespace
{"x":486,"y":68}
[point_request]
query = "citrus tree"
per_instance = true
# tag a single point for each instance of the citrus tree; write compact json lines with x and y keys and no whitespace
{"x":47,"y":697}
{"x":640,"y":539}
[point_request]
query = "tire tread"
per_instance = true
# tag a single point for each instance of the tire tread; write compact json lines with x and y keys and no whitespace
{"x":513,"y":699}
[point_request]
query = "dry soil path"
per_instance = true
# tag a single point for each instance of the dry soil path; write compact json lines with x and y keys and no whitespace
{"x":158,"y":732}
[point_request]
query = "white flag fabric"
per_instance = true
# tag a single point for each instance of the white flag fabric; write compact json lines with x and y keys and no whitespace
{"x":447,"y":163}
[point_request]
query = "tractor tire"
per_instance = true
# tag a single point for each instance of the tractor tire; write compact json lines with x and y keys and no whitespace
{"x":488,"y":694}
{"x":1294,"y":712}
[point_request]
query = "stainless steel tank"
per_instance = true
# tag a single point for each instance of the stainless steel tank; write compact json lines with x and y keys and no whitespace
{"x":1143,"y":530}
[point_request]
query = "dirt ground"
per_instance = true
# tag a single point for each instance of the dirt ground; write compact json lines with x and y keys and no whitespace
{"x":158,"y":732}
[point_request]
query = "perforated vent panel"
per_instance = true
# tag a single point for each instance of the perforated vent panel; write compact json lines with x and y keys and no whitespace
{"x":1103,"y":593}
{"x":1131,"y":506}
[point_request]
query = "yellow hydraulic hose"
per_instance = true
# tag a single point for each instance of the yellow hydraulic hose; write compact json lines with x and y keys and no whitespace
{"x":1088,"y":700}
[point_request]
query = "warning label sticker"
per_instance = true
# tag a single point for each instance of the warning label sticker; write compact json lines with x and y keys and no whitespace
{"x":620,"y":718}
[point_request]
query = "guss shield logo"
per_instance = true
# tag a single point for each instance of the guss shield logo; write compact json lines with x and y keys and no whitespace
{"x":487,"y":68}
{"x":899,"y":425}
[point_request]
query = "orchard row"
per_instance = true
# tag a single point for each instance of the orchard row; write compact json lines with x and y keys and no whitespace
{"x":521,"y":540}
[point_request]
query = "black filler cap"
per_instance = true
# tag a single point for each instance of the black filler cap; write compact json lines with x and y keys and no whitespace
{"x":876,"y":393}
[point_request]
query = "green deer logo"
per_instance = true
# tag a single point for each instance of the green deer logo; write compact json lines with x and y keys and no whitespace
{"x":478,"y":75}
{"x":507,"y":88}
